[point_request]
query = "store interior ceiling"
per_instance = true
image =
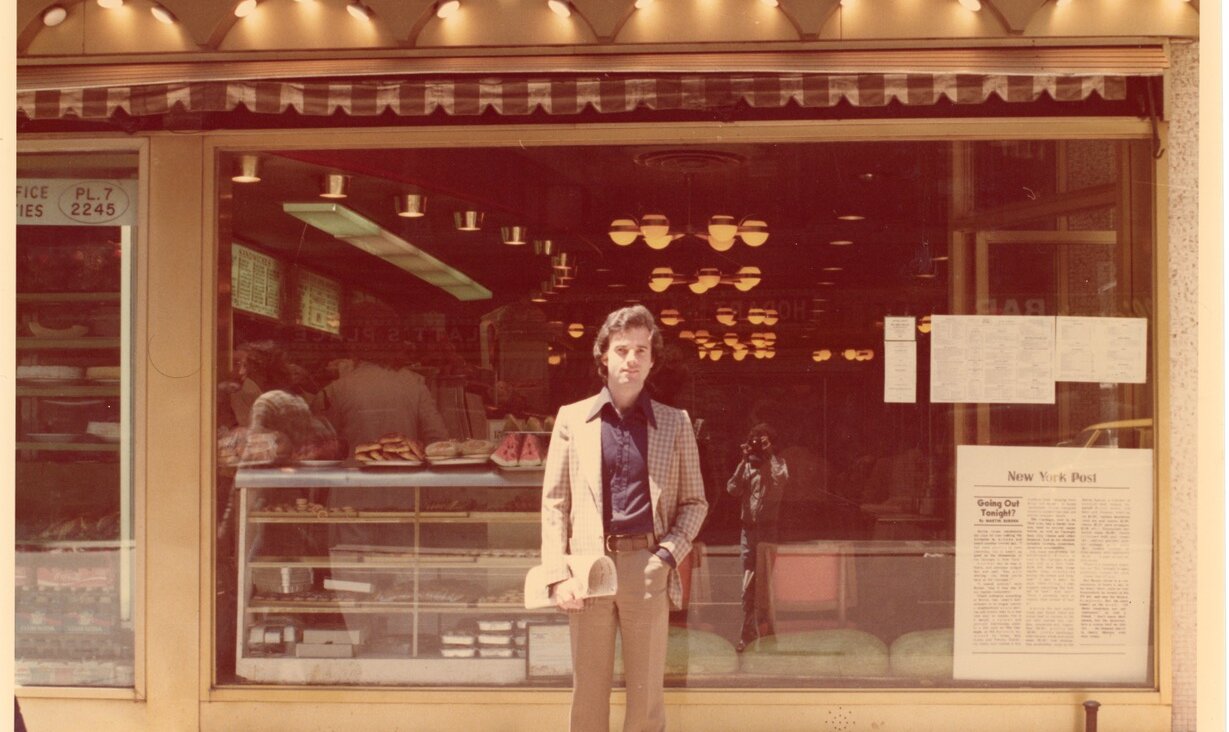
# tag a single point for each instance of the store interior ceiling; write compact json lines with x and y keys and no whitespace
{"x":571,"y":194}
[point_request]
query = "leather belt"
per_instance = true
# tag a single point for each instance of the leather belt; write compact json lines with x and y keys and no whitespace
{"x":627,"y":542}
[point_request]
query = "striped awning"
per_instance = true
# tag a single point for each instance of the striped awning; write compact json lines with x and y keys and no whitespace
{"x":564,"y":94}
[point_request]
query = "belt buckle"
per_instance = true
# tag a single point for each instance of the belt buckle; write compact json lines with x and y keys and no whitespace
{"x":610,"y":549}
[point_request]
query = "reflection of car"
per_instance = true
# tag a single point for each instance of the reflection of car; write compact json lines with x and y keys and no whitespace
{"x":1120,"y":433}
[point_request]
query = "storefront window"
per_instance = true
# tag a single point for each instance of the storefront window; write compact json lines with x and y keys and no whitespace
{"x":932,"y":335}
{"x":76,"y":228}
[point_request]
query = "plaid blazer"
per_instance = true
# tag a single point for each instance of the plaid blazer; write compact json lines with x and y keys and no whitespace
{"x":572,"y":489}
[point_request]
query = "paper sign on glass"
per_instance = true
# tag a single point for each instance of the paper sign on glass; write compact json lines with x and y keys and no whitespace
{"x":900,"y":372}
{"x":1109,"y":350}
{"x":992,"y":359}
{"x":1053,"y":564}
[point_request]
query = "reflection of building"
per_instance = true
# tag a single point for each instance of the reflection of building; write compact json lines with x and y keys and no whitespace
{"x":1031,"y":192}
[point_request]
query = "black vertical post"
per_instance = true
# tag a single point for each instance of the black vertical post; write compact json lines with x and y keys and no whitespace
{"x":1090,"y":715}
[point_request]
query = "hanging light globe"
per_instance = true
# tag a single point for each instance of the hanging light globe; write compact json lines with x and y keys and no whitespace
{"x":623,"y":231}
{"x":753,"y":232}
{"x":654,"y":225}
{"x":661,"y":279}
{"x":710,"y":276}
{"x":748,"y":277}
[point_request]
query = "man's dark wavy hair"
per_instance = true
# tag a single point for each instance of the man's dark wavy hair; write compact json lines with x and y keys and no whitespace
{"x":632,"y":316}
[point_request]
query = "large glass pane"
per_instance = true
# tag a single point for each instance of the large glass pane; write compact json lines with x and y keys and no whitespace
{"x":880,"y":307}
{"x":76,"y":227}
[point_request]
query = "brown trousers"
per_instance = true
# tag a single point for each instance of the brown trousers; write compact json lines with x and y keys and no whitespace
{"x":640,"y":610}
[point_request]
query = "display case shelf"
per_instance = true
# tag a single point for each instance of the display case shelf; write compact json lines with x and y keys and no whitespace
{"x":60,"y":344}
{"x":111,"y":390}
{"x":24,"y":297}
{"x":81,"y":544}
{"x":70,"y":446}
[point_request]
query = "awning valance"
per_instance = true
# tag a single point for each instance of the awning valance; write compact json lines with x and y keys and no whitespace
{"x":564,"y":95}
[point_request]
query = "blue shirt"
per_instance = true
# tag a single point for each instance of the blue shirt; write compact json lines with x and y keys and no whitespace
{"x":626,"y":503}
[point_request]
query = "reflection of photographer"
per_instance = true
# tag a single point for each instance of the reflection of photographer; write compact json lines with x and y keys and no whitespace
{"x":759,"y":481}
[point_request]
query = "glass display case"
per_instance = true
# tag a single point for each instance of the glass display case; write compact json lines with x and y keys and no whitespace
{"x":74,"y":509}
{"x":381,"y":575}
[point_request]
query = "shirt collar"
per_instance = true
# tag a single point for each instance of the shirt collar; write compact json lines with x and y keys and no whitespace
{"x":644,"y":405}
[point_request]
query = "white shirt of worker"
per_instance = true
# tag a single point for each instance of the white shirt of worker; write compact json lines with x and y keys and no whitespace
{"x":573,"y":523}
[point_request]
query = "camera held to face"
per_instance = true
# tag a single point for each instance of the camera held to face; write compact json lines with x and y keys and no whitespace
{"x":756,"y":445}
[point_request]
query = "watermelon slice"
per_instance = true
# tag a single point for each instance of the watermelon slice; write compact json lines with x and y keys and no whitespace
{"x":532,"y":451}
{"x":509,"y":451}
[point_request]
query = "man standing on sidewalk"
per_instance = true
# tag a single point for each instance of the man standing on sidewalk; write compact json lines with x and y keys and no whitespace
{"x":622,"y":478}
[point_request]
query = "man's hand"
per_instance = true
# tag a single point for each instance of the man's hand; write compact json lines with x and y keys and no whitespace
{"x":566,"y":595}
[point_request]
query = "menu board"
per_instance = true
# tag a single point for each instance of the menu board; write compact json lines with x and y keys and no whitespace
{"x":255,"y":282}
{"x":1001,"y":359}
{"x":319,"y":303}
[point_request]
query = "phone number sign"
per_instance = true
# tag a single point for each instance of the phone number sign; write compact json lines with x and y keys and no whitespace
{"x":65,"y":202}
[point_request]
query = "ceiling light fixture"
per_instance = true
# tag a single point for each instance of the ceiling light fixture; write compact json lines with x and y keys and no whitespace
{"x":242,"y":10}
{"x":748,"y":277}
{"x":560,"y":7}
{"x":771,"y":3}
{"x":841,"y":242}
{"x":726,"y":316}
{"x":162,"y":15}
{"x":721,"y":231}
{"x":661,"y":278}
{"x":973,"y":5}
{"x":54,"y":15}
{"x":469,"y":220}
{"x":447,"y":9}
{"x":363,"y":233}
{"x":851,"y":217}
{"x":411,"y":205}
{"x":359,"y":10}
{"x":335,"y":185}
{"x":514,"y":236}
{"x":623,"y":231}
{"x":670,"y":317}
{"x":113,"y":4}
{"x":247,"y":169}
{"x":576,"y":330}
{"x":771,"y":317}
{"x":642,"y":4}
{"x":544,"y":247}
{"x":704,"y":280}
{"x":753,"y":232}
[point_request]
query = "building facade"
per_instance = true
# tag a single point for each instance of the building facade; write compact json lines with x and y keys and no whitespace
{"x":948,"y":251}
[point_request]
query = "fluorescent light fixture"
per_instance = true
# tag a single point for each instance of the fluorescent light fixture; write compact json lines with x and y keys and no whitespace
{"x":447,"y":9}
{"x":363,"y":233}
{"x":161,"y":14}
{"x":243,"y":9}
{"x":54,"y":15}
